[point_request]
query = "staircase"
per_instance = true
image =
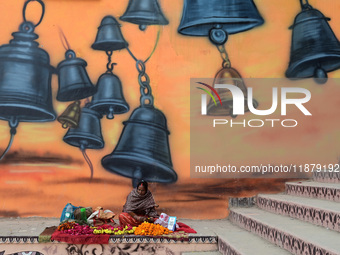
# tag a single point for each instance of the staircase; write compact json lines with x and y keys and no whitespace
{"x":304,"y":220}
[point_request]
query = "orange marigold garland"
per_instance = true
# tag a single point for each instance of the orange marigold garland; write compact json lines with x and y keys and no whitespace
{"x":150,"y":229}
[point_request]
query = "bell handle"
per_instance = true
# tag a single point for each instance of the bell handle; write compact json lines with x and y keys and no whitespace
{"x":42,"y":14}
{"x":306,"y":5}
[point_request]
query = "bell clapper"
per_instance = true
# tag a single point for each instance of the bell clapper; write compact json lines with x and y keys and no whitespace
{"x":217,"y":35}
{"x":320,"y":75}
{"x":142,"y":27}
{"x":110,"y":115}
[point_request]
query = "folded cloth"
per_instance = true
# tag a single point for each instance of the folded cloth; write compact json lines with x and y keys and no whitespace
{"x":185,"y":228}
{"x":80,"y":239}
{"x":45,"y":236}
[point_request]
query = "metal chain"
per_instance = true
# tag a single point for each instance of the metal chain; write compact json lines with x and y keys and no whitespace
{"x":224,"y":55}
{"x":109,"y":65}
{"x":144,"y":83}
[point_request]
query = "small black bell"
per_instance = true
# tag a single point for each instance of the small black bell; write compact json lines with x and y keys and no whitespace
{"x":74,"y":82}
{"x":143,"y":149}
{"x":109,"y":37}
{"x":217,"y":19}
{"x":315,"y":50}
{"x":87,"y":135}
{"x":70,"y":117}
{"x":109,"y":99}
{"x":144,"y":13}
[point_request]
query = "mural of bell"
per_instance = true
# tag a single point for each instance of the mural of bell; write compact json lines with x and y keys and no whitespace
{"x":109,"y":99}
{"x":227,"y":75}
{"x":143,"y":150}
{"x":144,"y":13}
{"x":70,"y":117}
{"x":74,"y":82}
{"x":87,"y":135}
{"x":109,"y":36}
{"x":218,"y":18}
{"x":25,"y":79}
{"x":315,"y":50}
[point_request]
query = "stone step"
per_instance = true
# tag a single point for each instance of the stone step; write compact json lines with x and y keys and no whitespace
{"x":327,"y":176}
{"x":326,"y":191}
{"x":293,"y":235}
{"x":319,"y":212}
{"x":202,"y":253}
{"x":234,"y":240}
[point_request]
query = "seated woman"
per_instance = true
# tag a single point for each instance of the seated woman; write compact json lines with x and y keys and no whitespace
{"x":139,"y":207}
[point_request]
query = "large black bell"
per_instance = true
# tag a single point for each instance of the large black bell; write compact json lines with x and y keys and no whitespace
{"x":74,"y":82}
{"x":218,"y":18}
{"x":144,"y":13}
{"x":109,"y":99}
{"x":315,"y":50}
{"x":25,"y":79}
{"x":143,"y":149}
{"x":109,"y":37}
{"x":88,"y":134}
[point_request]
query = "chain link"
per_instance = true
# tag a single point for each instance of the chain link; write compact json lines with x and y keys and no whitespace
{"x":224,"y":55}
{"x":144,"y":83}
{"x":109,"y":65}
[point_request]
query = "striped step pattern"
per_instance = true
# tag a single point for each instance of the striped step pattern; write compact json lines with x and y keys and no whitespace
{"x":326,"y":191}
{"x":318,"y":212}
{"x":327,"y":176}
{"x":290,"y":234}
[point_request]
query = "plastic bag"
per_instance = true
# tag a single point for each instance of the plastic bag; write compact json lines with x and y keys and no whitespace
{"x":68,"y":212}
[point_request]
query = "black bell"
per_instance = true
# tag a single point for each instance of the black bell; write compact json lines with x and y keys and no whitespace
{"x":315,"y":50}
{"x":218,"y":18}
{"x":109,"y":37}
{"x":143,"y":149}
{"x":25,"y":79}
{"x":74,"y":82}
{"x":144,"y":13}
{"x":109,"y":99}
{"x":88,"y":134}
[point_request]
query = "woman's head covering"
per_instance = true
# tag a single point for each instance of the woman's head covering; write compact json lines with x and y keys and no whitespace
{"x":144,"y":184}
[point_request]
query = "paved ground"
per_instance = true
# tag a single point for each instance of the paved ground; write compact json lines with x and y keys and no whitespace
{"x":33,"y":226}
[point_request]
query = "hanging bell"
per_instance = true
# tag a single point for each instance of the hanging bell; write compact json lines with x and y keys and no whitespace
{"x":109,"y":37}
{"x":74,"y":83}
{"x":88,"y":134}
{"x":25,"y":79}
{"x":70,"y":117}
{"x":109,"y":99}
{"x":227,"y":75}
{"x":218,"y":18}
{"x":143,"y":149}
{"x":315,"y":50}
{"x":144,"y":13}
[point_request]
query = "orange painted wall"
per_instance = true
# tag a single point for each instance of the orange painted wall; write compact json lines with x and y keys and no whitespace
{"x":28,"y":189}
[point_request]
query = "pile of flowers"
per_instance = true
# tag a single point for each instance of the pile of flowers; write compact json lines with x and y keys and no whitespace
{"x":73,"y":228}
{"x":146,"y":229}
{"x":114,"y":230}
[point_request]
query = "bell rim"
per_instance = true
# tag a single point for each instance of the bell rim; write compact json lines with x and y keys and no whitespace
{"x":143,"y":21}
{"x":210,"y":22}
{"x":73,"y":94}
{"x":103,"y":103}
{"x":291,"y":71}
{"x":141,"y":159}
{"x":115,"y":46}
{"x":89,"y":136}
{"x":51,"y":113}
